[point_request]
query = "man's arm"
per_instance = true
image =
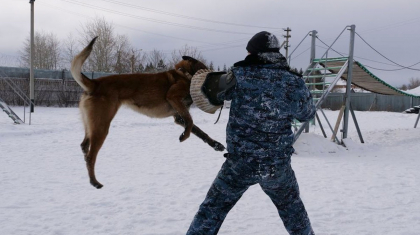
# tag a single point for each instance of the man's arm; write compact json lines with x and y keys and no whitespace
{"x":226,"y":86}
{"x":218,"y":87}
{"x":306,"y":108}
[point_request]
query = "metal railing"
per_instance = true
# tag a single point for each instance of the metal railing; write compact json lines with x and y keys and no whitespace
{"x":16,"y":89}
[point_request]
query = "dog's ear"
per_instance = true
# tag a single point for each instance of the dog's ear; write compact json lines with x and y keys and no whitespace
{"x":189,"y":58}
{"x":190,"y":65}
{"x":197,"y":66}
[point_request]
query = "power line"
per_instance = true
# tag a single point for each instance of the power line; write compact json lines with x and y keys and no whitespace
{"x":229,"y":44}
{"x":162,"y":35}
{"x":390,"y":69}
{"x":232,"y":43}
{"x":343,"y":54}
{"x":301,"y":53}
{"x":221,"y":48}
{"x":150,"y":19}
{"x":235,"y":42}
{"x":328,"y":46}
{"x":225,"y":45}
{"x":183,"y":16}
{"x":135,"y":29}
{"x":385,"y":56}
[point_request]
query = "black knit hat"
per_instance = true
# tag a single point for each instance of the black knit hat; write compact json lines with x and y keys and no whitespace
{"x":263,"y":42}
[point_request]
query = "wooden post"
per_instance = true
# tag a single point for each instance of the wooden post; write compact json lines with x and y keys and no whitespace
{"x":337,"y":124}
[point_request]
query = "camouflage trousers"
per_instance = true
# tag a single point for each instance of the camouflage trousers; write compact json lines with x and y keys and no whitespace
{"x":237,"y":174}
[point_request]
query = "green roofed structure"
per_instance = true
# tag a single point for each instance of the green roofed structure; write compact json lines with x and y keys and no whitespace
{"x":322,"y":75}
{"x":362,"y":77}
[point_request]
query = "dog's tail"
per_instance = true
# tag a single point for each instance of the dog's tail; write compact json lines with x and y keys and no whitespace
{"x":76,"y":67}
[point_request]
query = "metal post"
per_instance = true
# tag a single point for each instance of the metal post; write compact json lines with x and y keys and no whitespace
{"x":417,"y":121}
{"x":349,"y":78}
{"x":31,"y":73}
{"x":313,"y":55}
{"x":313,"y":46}
{"x":320,"y":125}
{"x":356,"y":124}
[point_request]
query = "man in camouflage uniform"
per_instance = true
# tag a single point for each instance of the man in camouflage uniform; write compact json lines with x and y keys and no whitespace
{"x":265,"y":100}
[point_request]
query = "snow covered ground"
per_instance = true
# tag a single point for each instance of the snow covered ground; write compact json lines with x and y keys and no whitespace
{"x":153,"y":184}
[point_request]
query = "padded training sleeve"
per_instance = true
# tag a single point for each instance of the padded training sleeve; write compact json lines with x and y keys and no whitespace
{"x":215,"y":86}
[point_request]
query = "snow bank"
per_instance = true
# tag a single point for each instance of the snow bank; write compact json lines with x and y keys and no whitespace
{"x":415,"y":91}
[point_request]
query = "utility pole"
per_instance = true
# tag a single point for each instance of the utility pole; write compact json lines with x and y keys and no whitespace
{"x":287,"y":36}
{"x":31,"y":72}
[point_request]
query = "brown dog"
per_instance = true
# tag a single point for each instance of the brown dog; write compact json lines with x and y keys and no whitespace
{"x":157,"y":95}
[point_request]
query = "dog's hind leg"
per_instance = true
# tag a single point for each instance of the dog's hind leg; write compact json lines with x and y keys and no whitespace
{"x":99,"y":116}
{"x":86,"y":141}
{"x":201,"y":134}
{"x":85,"y":145}
{"x":96,"y":141}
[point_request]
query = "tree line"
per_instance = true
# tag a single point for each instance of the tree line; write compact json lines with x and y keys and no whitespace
{"x":413,"y":83}
{"x":112,"y":53}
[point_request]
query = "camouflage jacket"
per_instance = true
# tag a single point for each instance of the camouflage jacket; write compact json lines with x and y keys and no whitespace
{"x":264,"y":102}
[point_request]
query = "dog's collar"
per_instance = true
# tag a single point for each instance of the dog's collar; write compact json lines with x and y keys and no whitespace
{"x":187,"y":74}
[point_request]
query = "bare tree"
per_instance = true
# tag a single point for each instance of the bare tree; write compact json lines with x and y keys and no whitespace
{"x":175,"y":58}
{"x":122,"y":55}
{"x":403,"y":87}
{"x":102,"y":57}
{"x":47,"y":51}
{"x":156,"y":59}
{"x":70,"y":49}
{"x":137,"y":61}
{"x":193,"y":52}
{"x":414,"y":82}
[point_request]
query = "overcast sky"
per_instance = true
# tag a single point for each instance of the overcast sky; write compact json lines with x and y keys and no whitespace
{"x":221,"y":29}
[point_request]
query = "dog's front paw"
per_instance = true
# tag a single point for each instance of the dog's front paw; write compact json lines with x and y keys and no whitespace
{"x":218,"y":147}
{"x":183,"y":137}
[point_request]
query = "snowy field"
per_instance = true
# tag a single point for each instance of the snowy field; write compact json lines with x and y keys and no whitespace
{"x":153,"y":184}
